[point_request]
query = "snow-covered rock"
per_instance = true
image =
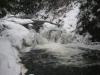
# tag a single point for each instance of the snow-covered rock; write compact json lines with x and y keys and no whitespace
{"x":9,"y":60}
{"x":19,"y":20}
{"x":14,"y":38}
{"x":16,"y":33}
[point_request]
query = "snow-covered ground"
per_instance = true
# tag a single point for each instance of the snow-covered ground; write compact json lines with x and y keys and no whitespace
{"x":14,"y":38}
{"x":9,"y":60}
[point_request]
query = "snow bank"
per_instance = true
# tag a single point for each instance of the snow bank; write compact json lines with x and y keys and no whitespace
{"x":14,"y":38}
{"x":8,"y":59}
{"x":16,"y":33}
{"x":19,"y":20}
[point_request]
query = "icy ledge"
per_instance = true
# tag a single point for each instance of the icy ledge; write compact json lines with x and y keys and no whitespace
{"x":14,"y":39}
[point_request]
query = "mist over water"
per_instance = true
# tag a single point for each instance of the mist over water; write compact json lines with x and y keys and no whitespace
{"x":59,"y":50}
{"x":66,"y":33}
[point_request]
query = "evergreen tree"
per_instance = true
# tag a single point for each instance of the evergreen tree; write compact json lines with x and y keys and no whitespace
{"x":89,"y":18}
{"x":31,"y":6}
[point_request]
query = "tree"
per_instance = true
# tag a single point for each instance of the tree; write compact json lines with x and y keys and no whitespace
{"x":89,"y":18}
{"x":31,"y":6}
{"x":7,"y":5}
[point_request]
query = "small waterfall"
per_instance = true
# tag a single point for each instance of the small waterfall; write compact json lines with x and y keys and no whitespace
{"x":52,"y":51}
{"x":38,"y":39}
{"x":57,"y":35}
{"x":62,"y":53}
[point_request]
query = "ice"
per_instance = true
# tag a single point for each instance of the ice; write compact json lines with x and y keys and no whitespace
{"x":14,"y":38}
{"x":8,"y":59}
{"x":20,"y":21}
{"x":16,"y":33}
{"x":59,"y":41}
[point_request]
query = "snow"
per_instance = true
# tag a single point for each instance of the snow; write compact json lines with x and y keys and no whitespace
{"x":70,"y":20}
{"x":49,"y":26}
{"x":20,"y":21}
{"x":8,"y":59}
{"x":14,"y":38}
{"x":16,"y":33}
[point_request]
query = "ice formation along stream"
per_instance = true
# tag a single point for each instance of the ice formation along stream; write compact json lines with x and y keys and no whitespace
{"x":64,"y":46}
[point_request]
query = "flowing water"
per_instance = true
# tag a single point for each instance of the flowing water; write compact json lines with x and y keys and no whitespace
{"x":60,"y":51}
{"x":54,"y":50}
{"x":57,"y":52}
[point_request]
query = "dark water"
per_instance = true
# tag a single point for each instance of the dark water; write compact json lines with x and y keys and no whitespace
{"x":40,"y":62}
